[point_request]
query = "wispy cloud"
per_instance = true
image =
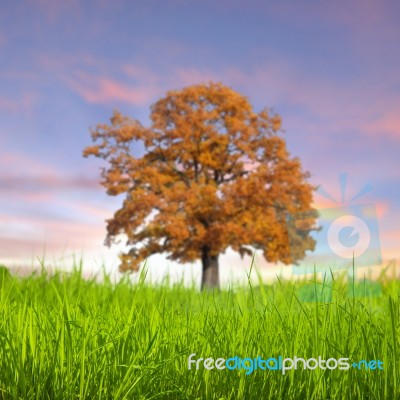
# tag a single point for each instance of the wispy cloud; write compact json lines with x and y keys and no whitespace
{"x":28,"y":236}
{"x":324,"y":104}
{"x":385,"y":124}
{"x":22,"y":183}
{"x":21,"y":163}
{"x":25,"y":180}
{"x":104,"y":90}
{"x":43,"y":208}
{"x":25,"y":103}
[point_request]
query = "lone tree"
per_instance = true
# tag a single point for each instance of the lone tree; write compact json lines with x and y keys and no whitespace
{"x":213,"y":174}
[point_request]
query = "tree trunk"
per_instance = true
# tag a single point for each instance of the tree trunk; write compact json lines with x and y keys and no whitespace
{"x":210,"y":275}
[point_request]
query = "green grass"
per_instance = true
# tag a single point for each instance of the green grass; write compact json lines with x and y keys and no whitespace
{"x":63,"y":337}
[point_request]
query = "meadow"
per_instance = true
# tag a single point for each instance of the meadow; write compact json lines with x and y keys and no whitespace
{"x":66,"y":337}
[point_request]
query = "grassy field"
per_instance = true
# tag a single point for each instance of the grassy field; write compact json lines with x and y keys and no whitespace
{"x":63,"y":337}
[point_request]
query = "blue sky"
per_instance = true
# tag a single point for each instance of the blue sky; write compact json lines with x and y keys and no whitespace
{"x":330,"y":69}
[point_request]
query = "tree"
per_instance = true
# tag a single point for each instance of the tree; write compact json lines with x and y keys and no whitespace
{"x":214,"y":174}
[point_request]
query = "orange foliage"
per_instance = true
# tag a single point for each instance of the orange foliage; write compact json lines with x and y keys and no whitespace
{"x":214,"y":174}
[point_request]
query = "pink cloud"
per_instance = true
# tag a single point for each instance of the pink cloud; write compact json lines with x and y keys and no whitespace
{"x":11,"y":248}
{"x":368,"y":109}
{"x":21,"y":183}
{"x":100,"y":85}
{"x":100,"y":213}
{"x":25,"y":103}
{"x":27,"y":235}
{"x":387,"y":124}
{"x":106,"y":90}
{"x":20,"y":163}
{"x":50,"y":237}
{"x":38,"y":197}
{"x":137,"y":85}
{"x":24,"y":180}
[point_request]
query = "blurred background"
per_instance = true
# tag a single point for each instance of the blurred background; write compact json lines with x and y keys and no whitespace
{"x":330,"y":69}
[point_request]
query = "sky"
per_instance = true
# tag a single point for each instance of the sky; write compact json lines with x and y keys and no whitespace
{"x":330,"y":69}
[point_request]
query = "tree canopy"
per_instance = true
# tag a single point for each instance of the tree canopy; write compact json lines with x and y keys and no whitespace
{"x":213,"y":174}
